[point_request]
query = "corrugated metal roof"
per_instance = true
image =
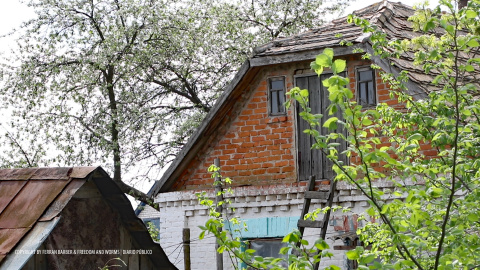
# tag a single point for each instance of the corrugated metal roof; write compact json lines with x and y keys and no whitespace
{"x":29,"y":198}
{"x":31,"y":202}
{"x":31,"y":242}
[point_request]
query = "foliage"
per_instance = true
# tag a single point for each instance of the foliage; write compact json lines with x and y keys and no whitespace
{"x":108,"y":264}
{"x":124,"y":83}
{"x":153,"y":231}
{"x":430,"y":219}
{"x":301,"y":254}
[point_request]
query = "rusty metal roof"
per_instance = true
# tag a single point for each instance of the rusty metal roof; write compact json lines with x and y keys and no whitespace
{"x":32,"y":199}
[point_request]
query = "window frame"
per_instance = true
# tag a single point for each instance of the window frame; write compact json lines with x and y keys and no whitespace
{"x":155,"y":221}
{"x":264,"y":239}
{"x":357,"y":85}
{"x":270,"y":99}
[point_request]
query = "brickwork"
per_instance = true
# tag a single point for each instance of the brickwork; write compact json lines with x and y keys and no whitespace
{"x":257,"y":149}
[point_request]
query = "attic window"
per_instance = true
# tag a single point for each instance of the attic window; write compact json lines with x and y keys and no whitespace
{"x":276,"y":89}
{"x":366,"y":87}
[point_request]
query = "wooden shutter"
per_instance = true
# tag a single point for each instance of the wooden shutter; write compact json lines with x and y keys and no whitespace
{"x":313,"y":161}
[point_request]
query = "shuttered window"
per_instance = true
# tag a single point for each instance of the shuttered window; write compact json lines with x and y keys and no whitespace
{"x":366,"y":87}
{"x":276,"y":88}
{"x":313,"y":161}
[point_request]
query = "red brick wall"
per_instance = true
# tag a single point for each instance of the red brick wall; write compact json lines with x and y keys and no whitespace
{"x":258,"y":149}
{"x":255,"y":149}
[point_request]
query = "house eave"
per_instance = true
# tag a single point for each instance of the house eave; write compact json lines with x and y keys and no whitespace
{"x":303,"y":55}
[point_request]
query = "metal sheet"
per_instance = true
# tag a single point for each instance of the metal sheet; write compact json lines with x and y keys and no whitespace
{"x":61,"y":201}
{"x":82,"y":172}
{"x":24,"y":210}
{"x":10,"y":237}
{"x":8,"y":190}
{"x":17,"y":174}
{"x":52,"y":173}
{"x":28,"y":245}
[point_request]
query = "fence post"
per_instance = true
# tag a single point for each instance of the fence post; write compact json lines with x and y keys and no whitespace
{"x":218,"y":198}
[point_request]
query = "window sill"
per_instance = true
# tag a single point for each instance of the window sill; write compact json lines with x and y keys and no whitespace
{"x":276,"y":119}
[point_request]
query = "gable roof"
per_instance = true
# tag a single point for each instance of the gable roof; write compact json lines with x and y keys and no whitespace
{"x":31,"y":202}
{"x":392,"y":18}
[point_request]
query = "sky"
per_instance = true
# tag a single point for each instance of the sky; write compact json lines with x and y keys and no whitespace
{"x":13,"y":13}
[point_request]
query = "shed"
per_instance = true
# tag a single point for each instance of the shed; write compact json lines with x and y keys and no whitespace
{"x":71,"y":218}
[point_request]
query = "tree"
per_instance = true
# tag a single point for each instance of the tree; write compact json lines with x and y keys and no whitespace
{"x":125,"y":83}
{"x":431,"y":219}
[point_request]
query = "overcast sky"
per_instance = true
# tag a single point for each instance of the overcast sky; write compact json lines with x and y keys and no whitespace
{"x":13,"y":13}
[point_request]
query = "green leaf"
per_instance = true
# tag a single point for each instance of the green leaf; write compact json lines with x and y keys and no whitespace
{"x":321,"y":244}
{"x":470,"y":14}
{"x":323,"y":60}
{"x":339,"y":66}
{"x":466,"y":112}
{"x":353,"y":254}
{"x":258,"y":258}
{"x":429,"y":26}
{"x":473,"y":217}
{"x":366,"y":122}
{"x":450,"y":29}
{"x":469,"y":68}
{"x":416,"y":136}
{"x":371,"y":211}
{"x":331,"y":123}
{"x":473,"y":43}
{"x":317,"y":68}
{"x":329,"y":53}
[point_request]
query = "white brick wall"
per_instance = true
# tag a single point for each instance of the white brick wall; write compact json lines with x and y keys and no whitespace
{"x":180,"y":210}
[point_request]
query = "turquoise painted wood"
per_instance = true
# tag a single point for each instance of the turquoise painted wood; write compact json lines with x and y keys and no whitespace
{"x":267,"y":227}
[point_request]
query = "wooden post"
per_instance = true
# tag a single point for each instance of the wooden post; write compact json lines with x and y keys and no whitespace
{"x":186,"y":249}
{"x":218,"y":198}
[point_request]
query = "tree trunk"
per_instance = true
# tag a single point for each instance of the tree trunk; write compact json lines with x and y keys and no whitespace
{"x":117,"y":165}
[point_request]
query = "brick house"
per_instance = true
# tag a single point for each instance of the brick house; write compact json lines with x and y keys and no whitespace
{"x":261,"y":145}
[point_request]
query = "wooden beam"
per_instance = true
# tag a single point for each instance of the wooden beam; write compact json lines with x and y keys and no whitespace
{"x":309,"y":223}
{"x":301,"y":55}
{"x":318,"y":195}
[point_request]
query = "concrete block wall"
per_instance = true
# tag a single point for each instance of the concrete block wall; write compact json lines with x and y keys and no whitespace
{"x":181,"y":209}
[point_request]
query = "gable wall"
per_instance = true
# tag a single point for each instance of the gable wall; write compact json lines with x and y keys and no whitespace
{"x":255,"y":148}
{"x":93,"y":235}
